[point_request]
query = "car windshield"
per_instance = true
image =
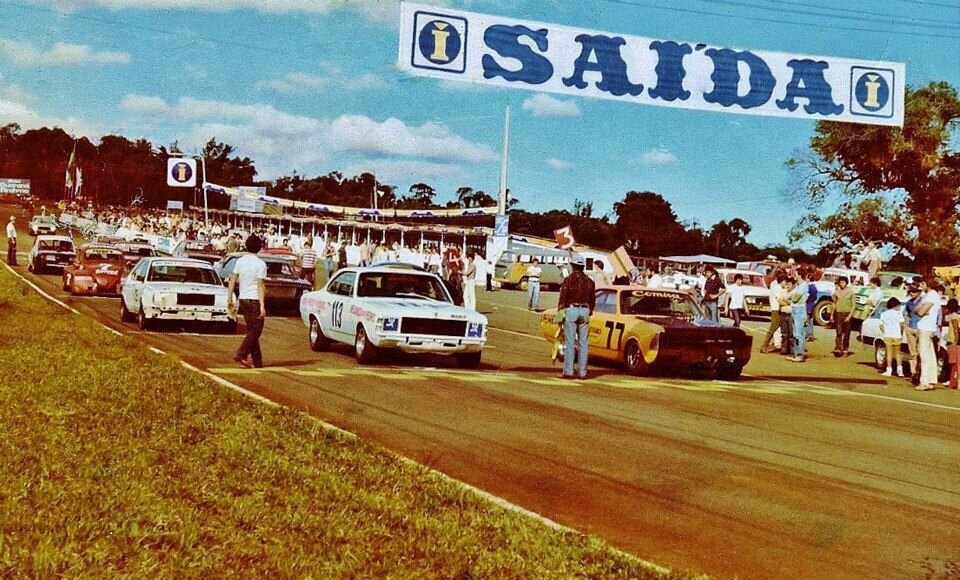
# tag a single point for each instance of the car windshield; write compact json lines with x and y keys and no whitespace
{"x":56,"y":246}
{"x":401,"y":284}
{"x":282,"y":269}
{"x":44,"y":219}
{"x":184,"y":274}
{"x":106,"y":254}
{"x":646,"y":303}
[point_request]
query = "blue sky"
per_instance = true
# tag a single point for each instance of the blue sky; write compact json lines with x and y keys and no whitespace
{"x":313,"y":86}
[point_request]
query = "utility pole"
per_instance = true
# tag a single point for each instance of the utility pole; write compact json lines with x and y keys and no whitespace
{"x":502,"y":202}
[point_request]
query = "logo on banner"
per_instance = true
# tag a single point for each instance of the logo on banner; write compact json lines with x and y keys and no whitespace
{"x":871,"y":92}
{"x":440,"y":42}
{"x":181,"y":172}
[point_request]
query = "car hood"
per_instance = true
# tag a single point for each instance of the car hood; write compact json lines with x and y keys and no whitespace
{"x":413,"y":308}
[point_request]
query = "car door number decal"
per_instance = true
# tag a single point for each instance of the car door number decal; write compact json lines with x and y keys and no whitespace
{"x":336,"y":314}
{"x":612,"y":327}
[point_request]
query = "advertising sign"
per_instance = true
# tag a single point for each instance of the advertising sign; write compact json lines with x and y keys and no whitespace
{"x":181,"y":172}
{"x":175,"y":205}
{"x":14,"y":186}
{"x":463,"y":46}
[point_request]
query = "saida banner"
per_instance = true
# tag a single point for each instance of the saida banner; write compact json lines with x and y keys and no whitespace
{"x":480,"y":48}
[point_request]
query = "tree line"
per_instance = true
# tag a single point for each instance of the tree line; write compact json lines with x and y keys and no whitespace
{"x":896,"y":185}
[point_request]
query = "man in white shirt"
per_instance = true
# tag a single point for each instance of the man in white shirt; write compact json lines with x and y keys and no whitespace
{"x":928,"y":327}
{"x":534,"y":271}
{"x":736,"y":304}
{"x":774,"y":313}
{"x":11,"y":242}
{"x":654,"y":281}
{"x":249,"y":276}
{"x":470,"y":281}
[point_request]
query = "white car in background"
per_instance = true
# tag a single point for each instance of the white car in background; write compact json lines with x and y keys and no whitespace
{"x":755,"y":291}
{"x":870,"y":335}
{"x":43,"y":224}
{"x":404,"y":309}
{"x":679,"y":282}
{"x":174,"y":289}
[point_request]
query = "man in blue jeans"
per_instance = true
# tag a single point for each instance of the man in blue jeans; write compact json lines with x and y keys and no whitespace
{"x":534,"y":271}
{"x":577,"y":298}
{"x":712,"y":289}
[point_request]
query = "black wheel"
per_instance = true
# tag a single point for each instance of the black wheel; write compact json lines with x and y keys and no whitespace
{"x":30,"y":266}
{"x":880,"y":355}
{"x":125,"y":314}
{"x":943,"y":367}
{"x":366,"y":351}
{"x":823,"y":313}
{"x":318,"y":341}
{"x":66,"y":283}
{"x":633,"y":360}
{"x":729,"y":372}
{"x":469,"y":360}
{"x":143,"y":322}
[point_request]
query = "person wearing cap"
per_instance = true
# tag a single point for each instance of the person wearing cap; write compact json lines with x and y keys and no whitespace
{"x":712,"y":289}
{"x":577,"y":298}
{"x":843,"y":303}
{"x":910,"y":332}
{"x":11,"y":242}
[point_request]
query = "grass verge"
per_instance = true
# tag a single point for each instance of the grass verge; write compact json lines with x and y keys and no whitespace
{"x":118,"y":462}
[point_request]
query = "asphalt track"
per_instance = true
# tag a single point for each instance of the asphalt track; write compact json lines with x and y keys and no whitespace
{"x":816,"y":470}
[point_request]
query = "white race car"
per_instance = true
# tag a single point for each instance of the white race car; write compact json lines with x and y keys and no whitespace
{"x":392,"y":308}
{"x":174,"y":289}
{"x":870,"y":335}
{"x":43,"y":224}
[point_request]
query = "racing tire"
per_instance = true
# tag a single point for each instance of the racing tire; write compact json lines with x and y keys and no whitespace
{"x":943,"y":367}
{"x":125,"y":314}
{"x":143,"y":322}
{"x":729,"y":372}
{"x":365,"y":350}
{"x":880,"y":354}
{"x":633,"y":361}
{"x":823,"y":313}
{"x":469,"y":360}
{"x":318,"y":340}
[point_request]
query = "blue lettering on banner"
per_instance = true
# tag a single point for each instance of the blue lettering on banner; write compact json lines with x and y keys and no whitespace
{"x":535,"y":69}
{"x":609,"y":63}
{"x":726,"y":79}
{"x":561,"y":59}
{"x":808,"y":83}
{"x":670,"y":71}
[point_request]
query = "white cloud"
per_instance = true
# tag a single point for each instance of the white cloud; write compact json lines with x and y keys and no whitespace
{"x":658,"y":157}
{"x":543,"y":105}
{"x":558,"y":164}
{"x":281,"y":142}
{"x":382,"y":10}
{"x":333,"y":78}
{"x":62,"y":54}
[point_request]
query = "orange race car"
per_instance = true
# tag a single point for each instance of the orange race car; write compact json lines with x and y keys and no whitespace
{"x":96,"y":269}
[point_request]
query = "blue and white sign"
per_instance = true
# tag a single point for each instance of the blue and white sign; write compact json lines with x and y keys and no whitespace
{"x":480,"y":48}
{"x":174,"y":205}
{"x":181,"y":172}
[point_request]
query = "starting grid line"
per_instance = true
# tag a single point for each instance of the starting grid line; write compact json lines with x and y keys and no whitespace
{"x":416,"y":375}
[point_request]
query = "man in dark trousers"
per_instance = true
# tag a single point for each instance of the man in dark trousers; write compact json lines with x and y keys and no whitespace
{"x":578,"y":298}
{"x":249,"y":277}
{"x":11,"y":242}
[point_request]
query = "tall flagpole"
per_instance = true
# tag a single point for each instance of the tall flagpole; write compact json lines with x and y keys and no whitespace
{"x":502,"y":202}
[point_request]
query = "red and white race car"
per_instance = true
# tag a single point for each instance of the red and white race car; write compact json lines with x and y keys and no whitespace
{"x":96,"y":269}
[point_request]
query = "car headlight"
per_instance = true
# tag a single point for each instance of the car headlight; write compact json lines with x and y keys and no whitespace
{"x":388,"y":324}
{"x":164,"y":298}
{"x":474,"y":330}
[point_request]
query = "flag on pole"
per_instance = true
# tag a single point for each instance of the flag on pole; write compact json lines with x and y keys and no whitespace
{"x":564,"y":238}
{"x":79,"y":183}
{"x":71,"y":165}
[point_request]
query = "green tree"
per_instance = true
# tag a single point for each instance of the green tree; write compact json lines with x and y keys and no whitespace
{"x":847,"y":162}
{"x":648,"y":225}
{"x":729,"y":239}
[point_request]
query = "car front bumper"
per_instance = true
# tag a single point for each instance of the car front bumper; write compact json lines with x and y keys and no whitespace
{"x":430,"y":344}
{"x":214,"y":314}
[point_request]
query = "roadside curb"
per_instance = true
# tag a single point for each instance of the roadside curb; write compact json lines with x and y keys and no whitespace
{"x":496,"y":500}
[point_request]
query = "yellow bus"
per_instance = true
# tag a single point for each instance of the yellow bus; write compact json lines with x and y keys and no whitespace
{"x":510,"y":271}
